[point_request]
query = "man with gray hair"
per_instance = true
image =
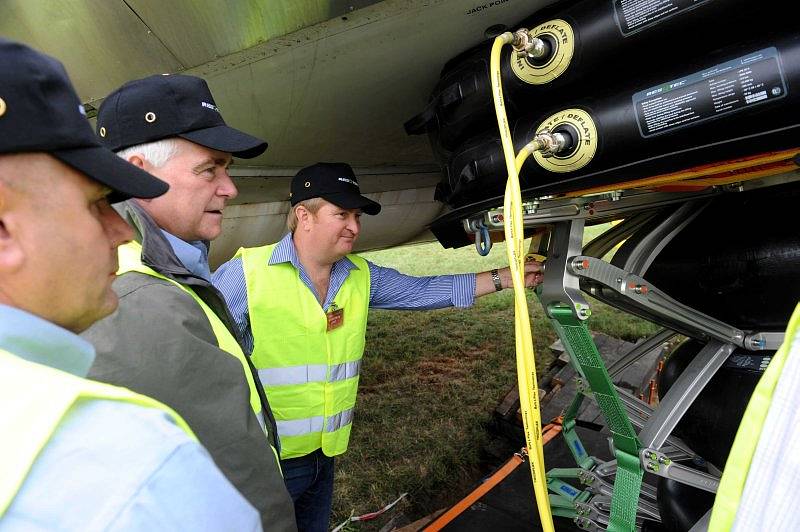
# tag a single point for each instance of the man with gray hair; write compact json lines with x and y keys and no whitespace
{"x":172,"y":337}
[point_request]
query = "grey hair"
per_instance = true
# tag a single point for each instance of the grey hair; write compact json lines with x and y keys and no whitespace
{"x":158,"y":153}
{"x":312,"y":205}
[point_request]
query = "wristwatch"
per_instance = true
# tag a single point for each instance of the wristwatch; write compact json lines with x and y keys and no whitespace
{"x":498,"y":286}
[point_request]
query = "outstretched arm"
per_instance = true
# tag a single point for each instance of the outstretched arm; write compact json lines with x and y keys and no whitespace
{"x":485,"y":285}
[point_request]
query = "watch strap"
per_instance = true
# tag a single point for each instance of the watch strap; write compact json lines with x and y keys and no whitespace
{"x":498,"y":286}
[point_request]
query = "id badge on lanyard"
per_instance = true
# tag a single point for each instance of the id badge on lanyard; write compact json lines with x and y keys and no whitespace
{"x":335,"y":317}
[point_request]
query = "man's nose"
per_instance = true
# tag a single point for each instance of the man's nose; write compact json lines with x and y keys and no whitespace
{"x":226,"y":186}
{"x":117,"y":229}
{"x":354,"y":224}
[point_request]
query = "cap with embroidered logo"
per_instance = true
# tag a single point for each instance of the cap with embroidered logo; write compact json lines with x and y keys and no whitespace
{"x":40,"y":112}
{"x":174,"y":105}
{"x":334,"y":182}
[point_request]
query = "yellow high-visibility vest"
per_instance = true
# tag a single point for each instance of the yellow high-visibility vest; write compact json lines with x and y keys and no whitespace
{"x":35,"y":399}
{"x":130,"y":261}
{"x":310,"y":373}
{"x":737,"y":467}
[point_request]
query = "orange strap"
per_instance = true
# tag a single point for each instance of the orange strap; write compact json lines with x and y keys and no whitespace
{"x":718,"y":173}
{"x":479,"y":492}
{"x":549,"y":432}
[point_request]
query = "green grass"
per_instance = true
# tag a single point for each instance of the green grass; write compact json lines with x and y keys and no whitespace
{"x":430,"y":382}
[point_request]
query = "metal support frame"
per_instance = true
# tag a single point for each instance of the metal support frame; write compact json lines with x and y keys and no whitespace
{"x":654,"y":301}
{"x":660,"y":452}
{"x":604,"y":206}
{"x":639,"y":351}
{"x":606,"y":241}
{"x":640,"y":413}
{"x":702,"y":524}
{"x":660,"y":464}
{"x":683,"y":393}
{"x":647,"y":249}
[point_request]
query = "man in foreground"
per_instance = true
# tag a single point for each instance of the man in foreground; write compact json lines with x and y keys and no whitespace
{"x":302,"y":306}
{"x":76,"y":454}
{"x":172,"y":337}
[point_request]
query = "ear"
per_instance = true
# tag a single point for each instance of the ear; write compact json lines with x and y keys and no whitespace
{"x":303,"y":216}
{"x":12,"y":254}
{"x":135,"y":160}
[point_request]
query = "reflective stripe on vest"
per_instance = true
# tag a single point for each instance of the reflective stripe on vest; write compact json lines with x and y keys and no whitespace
{"x":737,"y":466}
{"x":130,"y":261}
{"x":35,"y":400}
{"x":314,"y":373}
{"x":310,"y":374}
{"x":299,"y":427}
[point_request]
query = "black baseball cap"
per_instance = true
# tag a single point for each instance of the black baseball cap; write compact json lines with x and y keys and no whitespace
{"x":40,"y":112}
{"x":334,"y":182}
{"x":170,"y":105}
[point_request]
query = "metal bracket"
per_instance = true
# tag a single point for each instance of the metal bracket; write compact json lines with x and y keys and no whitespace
{"x":593,"y":512}
{"x":560,"y":285}
{"x":658,"y":463}
{"x":764,"y":341}
{"x":483,"y":241}
{"x":647,"y":296}
{"x":683,"y":392}
{"x":595,"y":484}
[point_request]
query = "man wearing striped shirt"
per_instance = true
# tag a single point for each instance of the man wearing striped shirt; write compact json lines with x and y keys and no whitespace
{"x":301,"y":306}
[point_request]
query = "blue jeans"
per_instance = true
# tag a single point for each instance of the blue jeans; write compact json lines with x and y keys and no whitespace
{"x":309,"y":480}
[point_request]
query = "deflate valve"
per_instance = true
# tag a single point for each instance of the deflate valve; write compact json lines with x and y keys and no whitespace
{"x":528,"y":46}
{"x":549,"y":144}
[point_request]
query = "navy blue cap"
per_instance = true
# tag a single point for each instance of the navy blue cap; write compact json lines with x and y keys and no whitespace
{"x":40,"y":112}
{"x":334,"y":182}
{"x":170,"y":105}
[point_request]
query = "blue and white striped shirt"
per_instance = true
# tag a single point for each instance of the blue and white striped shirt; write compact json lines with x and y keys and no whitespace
{"x":389,"y":289}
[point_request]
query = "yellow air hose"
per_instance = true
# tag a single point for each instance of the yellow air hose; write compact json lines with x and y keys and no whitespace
{"x":514,"y":233}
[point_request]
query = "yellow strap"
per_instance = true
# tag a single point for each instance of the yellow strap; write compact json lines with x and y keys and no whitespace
{"x":515,"y":239}
{"x":737,"y":466}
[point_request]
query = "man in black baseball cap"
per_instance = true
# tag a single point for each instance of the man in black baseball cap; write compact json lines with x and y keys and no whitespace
{"x":171,"y":320}
{"x":334,"y":182}
{"x":58,"y":258}
{"x":41,"y":113}
{"x":302,"y":307}
{"x":163,"y":106}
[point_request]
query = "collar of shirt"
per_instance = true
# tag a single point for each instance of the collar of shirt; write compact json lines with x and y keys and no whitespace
{"x":286,"y":252}
{"x":39,"y":341}
{"x":193,"y":255}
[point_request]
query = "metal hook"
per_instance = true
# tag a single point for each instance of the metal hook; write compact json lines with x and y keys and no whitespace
{"x":483,"y":242}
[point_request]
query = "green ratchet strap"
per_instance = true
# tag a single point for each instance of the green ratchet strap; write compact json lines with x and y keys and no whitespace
{"x":583,"y":352}
{"x":571,"y":437}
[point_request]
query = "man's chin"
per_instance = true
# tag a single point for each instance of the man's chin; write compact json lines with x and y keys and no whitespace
{"x":106,"y":308}
{"x":210,"y":233}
